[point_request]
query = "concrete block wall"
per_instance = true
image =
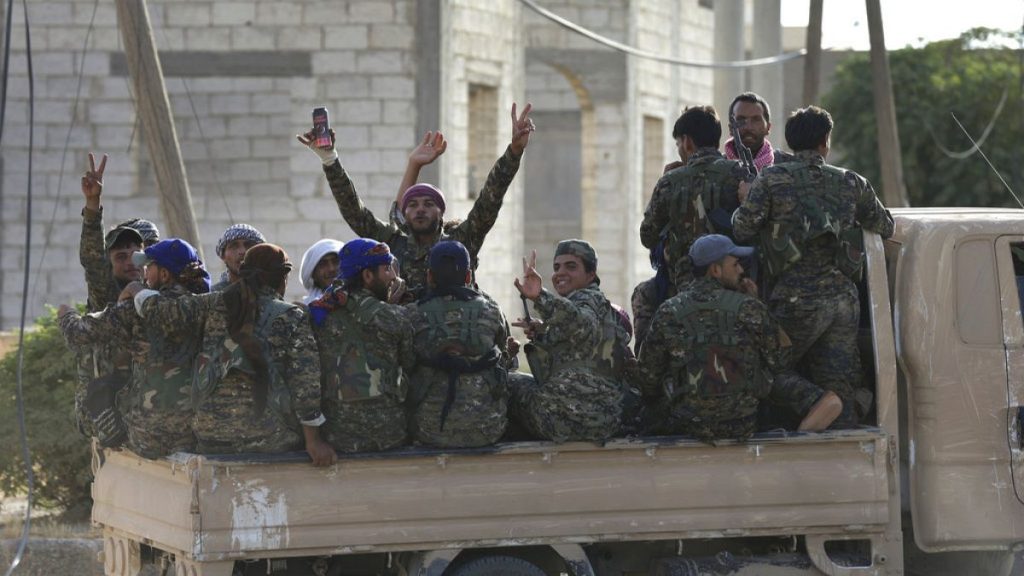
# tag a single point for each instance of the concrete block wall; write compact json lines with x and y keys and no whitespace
{"x":236,"y":127}
{"x":482,"y":45}
{"x":681,"y":29}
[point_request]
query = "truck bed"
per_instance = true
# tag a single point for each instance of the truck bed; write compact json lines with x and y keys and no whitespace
{"x":213,"y":508}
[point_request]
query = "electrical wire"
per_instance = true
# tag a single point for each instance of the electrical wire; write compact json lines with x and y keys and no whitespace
{"x":625,"y":48}
{"x":19,"y":395}
{"x":982,"y":152}
{"x":67,"y":144}
{"x":976,"y":147}
{"x":203,"y":139}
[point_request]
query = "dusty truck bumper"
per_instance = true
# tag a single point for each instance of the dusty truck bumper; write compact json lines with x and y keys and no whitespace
{"x":211,"y":509}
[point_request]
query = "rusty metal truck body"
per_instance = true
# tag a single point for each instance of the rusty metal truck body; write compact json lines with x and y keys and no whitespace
{"x":942,"y":462}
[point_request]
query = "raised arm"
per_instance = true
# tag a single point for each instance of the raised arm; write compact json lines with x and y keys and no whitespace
{"x":81,"y":332}
{"x":356,"y":214}
{"x":99,"y":278}
{"x":432,"y":147}
{"x":485,"y":210}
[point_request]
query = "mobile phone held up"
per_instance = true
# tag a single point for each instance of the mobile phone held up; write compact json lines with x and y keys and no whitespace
{"x":322,"y":128}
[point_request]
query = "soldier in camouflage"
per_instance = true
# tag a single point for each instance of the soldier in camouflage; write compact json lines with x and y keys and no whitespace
{"x":695,"y":199}
{"x":576,"y":352}
{"x":423,"y":207}
{"x":365,"y":347}
{"x":231,"y":248}
{"x":807,"y":216}
{"x":458,"y":393}
{"x":649,"y":294}
{"x":752,"y":117}
{"x":155,"y":411}
{"x":714,"y":354}
{"x":256,"y":383}
{"x":107,"y":261}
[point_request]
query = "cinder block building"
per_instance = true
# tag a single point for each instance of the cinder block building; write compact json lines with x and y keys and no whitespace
{"x":243,"y":77}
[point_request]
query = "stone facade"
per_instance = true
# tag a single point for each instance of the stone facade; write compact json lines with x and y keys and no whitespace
{"x":243,"y":77}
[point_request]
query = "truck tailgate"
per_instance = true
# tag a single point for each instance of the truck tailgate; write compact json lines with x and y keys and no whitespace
{"x":214,"y":508}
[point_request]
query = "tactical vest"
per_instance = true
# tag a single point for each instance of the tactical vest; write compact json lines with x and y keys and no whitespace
{"x":212,"y":369}
{"x":351,"y":370}
{"x":715,"y":365}
{"x":608,"y":358}
{"x":821,"y":210}
{"x":702,"y":201}
{"x":471,"y":349}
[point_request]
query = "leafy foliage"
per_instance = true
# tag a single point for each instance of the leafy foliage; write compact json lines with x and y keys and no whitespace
{"x":60,"y":454}
{"x":967,"y":76}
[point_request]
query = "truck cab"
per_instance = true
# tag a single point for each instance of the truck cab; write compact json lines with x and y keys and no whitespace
{"x":933,"y":485}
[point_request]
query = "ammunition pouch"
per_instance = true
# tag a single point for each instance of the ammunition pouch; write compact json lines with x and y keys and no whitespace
{"x":101,"y":406}
{"x":850,"y":253}
{"x":778,"y":252}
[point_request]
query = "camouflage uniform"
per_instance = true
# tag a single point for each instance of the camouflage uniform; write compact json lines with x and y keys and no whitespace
{"x":469,"y":325}
{"x":807,"y":215}
{"x":101,"y":358}
{"x":225,"y":417}
{"x":365,"y":354}
{"x":573,"y":394}
{"x":156,"y":406}
{"x":645,"y":302}
{"x":674,"y":214}
{"x":412,"y":257}
{"x":711,"y":357}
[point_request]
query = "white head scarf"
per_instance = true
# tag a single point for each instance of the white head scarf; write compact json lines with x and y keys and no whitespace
{"x":310,"y":259}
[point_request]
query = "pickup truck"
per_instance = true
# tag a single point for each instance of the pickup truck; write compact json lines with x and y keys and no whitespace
{"x":934,"y":486}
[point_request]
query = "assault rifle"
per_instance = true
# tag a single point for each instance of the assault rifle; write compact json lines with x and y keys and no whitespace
{"x":742,"y":152}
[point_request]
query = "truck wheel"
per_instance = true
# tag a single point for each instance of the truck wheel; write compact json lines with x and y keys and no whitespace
{"x":498,"y":566}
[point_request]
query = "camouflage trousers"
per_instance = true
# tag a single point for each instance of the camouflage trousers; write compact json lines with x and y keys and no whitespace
{"x":573,"y":405}
{"x":226,"y":422}
{"x":157,"y":433}
{"x":824,"y":335}
{"x":477,"y":417}
{"x":369,"y":425}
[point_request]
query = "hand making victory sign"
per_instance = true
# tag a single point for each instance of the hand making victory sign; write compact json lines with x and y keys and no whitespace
{"x":522,"y":125}
{"x":92,"y":183}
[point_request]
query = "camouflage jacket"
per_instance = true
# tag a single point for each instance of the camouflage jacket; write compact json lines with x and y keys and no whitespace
{"x":284,"y":332}
{"x":776,"y":201}
{"x":471,"y":327}
{"x":573,"y":329}
{"x":365,"y":351}
{"x":645,"y":303}
{"x":721,"y":179}
{"x":99,"y":357}
{"x":99,"y":276}
{"x":412,"y":257}
{"x":157,"y":405}
{"x":668,"y":349}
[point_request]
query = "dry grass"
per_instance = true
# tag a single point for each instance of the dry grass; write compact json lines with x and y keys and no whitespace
{"x":45,"y":523}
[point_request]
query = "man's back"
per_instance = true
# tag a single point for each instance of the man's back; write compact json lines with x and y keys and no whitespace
{"x":689,"y":202}
{"x":365,"y":349}
{"x":814,"y":204}
{"x":458,"y":389}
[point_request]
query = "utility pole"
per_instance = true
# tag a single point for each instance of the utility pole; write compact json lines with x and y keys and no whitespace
{"x":154,"y":110}
{"x":812,"y":61}
{"x":893,"y":189}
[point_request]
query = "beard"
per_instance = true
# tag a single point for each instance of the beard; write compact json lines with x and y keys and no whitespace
{"x":379,"y":289}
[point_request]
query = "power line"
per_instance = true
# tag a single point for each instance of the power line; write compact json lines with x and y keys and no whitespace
{"x":26,"y":455}
{"x":625,"y":48}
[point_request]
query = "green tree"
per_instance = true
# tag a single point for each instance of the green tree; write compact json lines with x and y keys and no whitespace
{"x":60,"y":454}
{"x":967,"y":76}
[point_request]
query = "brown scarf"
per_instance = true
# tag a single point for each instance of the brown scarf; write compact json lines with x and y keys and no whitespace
{"x":263,"y":265}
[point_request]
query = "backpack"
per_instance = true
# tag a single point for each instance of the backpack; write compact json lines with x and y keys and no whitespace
{"x":714,"y":370}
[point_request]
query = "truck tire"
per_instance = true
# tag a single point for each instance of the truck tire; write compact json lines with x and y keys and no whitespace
{"x":498,"y":566}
